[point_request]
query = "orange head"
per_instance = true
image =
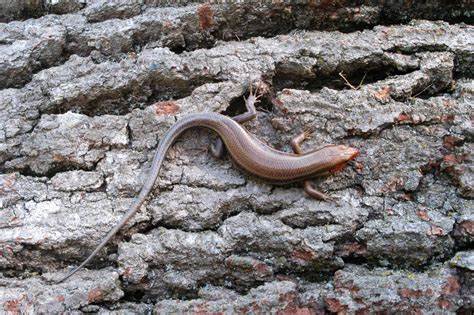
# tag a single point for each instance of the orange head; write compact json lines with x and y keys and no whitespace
{"x":332,"y":158}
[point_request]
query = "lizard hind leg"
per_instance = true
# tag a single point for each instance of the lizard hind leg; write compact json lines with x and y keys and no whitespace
{"x":217,"y":148}
{"x":316,"y":194}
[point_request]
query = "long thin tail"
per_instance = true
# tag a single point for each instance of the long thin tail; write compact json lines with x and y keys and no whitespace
{"x":163,"y":147}
{"x":132,"y":210}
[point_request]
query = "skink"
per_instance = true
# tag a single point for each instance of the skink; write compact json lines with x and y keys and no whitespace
{"x":249,"y":153}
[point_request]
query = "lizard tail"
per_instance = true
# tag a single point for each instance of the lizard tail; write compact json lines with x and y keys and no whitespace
{"x":165,"y":143}
{"x":132,"y":210}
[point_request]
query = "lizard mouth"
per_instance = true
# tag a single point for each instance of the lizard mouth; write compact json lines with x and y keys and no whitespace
{"x":351,"y":153}
{"x":347,"y":154}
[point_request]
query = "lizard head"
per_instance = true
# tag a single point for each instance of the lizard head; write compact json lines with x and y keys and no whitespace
{"x":333,"y":158}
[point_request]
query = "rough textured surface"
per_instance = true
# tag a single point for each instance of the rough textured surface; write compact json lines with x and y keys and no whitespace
{"x":87,"y":96}
{"x":34,"y":295}
{"x":111,"y":29}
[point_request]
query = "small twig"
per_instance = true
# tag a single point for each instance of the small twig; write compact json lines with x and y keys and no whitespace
{"x":361,"y":81}
{"x":341,"y":74}
{"x":422,"y":90}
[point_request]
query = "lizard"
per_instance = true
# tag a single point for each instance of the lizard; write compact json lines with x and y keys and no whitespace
{"x":249,"y":153}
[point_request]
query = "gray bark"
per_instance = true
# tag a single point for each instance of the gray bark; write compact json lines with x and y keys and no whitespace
{"x":87,"y":96}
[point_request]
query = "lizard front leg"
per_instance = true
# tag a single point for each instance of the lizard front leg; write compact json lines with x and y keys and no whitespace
{"x":217,"y":148}
{"x":308,"y":184}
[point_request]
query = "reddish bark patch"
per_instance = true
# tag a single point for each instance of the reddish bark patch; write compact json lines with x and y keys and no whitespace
{"x":345,"y":286}
{"x":431,"y":166}
{"x":253,"y":307}
{"x":11,"y":306}
{"x":247,"y":265}
{"x":338,"y":275}
{"x":383,"y":94}
{"x":60,"y":298}
{"x":449,"y":142}
{"x":423,"y":215}
{"x":444,"y":304}
{"x":452,"y":164}
{"x":398,"y":306}
{"x":409,"y":293}
{"x":166,"y":108}
{"x":283,"y":277}
{"x":453,"y":159}
{"x":392,"y":184}
{"x":262,"y":268}
{"x":334,"y":305}
{"x":287,"y":297}
{"x":297,"y":311}
{"x":403,"y":118}
{"x":95,"y":295}
{"x":351,"y":248}
{"x":8,"y":183}
{"x":327,"y":5}
{"x":206,"y":16}
{"x":452,"y":286}
{"x":302,"y":254}
{"x":5,"y":253}
{"x":467,"y":227}
{"x":207,"y":313}
{"x":450,"y":159}
{"x":57,"y":157}
{"x":126,"y":272}
{"x":167,"y":25}
{"x":448,"y":118}
{"x":363,"y":311}
{"x":436,"y":230}
{"x":20,"y":239}
{"x":449,"y":103}
{"x":278,"y":103}
{"x":243,"y":310}
{"x":416,"y":311}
